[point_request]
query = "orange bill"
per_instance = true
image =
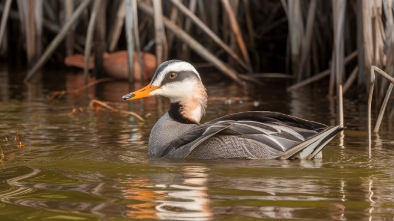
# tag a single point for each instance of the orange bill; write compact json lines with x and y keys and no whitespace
{"x":141,"y":93}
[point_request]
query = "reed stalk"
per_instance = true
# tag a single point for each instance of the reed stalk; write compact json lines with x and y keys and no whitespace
{"x":340,"y":106}
{"x":57,"y":40}
{"x":321,"y":74}
{"x":202,"y":11}
{"x":374,"y":70}
{"x":296,"y":30}
{"x":350,"y":80}
{"x":100,"y":40}
{"x":69,"y":9}
{"x":30,"y":31}
{"x":193,"y":44}
{"x":4,"y":19}
{"x":383,"y":108}
{"x":236,"y":31}
{"x":50,"y":12}
{"x":116,"y":28}
{"x":285,"y":7}
{"x":159,"y":30}
{"x":360,"y":44}
{"x":249,"y":24}
{"x":339,"y":7}
{"x":130,"y":39}
{"x":188,"y":24}
{"x":89,"y":39}
{"x":137,"y":42}
{"x":367,"y":33}
{"x":211,"y":34}
{"x":307,"y":40}
{"x":388,"y":58}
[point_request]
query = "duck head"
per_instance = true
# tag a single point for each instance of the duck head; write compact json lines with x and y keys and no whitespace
{"x":181,"y":83}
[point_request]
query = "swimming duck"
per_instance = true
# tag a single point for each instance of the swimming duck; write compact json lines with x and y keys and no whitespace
{"x":246,"y":135}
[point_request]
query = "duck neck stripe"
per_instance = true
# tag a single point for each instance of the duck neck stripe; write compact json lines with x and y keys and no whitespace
{"x":175,"y":113}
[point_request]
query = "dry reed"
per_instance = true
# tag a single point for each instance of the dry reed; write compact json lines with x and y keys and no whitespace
{"x":374,"y":70}
{"x":4,"y":19}
{"x":230,"y":35}
{"x":130,"y":40}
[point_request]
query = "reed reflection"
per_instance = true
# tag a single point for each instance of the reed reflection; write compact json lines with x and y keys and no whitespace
{"x":170,"y":196}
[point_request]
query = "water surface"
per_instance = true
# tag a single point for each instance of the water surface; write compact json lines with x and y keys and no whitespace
{"x":62,"y":160}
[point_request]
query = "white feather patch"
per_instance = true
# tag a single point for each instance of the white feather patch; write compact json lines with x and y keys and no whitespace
{"x":177,"y":91}
{"x":174,"y":67}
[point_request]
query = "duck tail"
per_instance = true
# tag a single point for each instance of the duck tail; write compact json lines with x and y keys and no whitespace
{"x":311,"y":148}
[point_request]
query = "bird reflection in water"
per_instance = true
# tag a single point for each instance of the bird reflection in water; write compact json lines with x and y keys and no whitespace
{"x":173,"y":197}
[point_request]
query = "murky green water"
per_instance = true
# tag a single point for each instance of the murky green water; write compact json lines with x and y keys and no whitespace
{"x":86,"y":164}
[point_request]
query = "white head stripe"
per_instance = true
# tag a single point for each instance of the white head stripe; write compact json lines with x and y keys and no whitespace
{"x":174,"y":67}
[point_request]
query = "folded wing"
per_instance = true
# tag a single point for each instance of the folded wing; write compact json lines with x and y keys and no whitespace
{"x":285,"y":136}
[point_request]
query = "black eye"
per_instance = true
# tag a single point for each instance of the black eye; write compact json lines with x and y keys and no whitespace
{"x":172,"y":75}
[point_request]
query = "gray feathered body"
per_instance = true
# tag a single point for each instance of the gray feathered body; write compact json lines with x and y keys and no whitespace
{"x":247,"y":135}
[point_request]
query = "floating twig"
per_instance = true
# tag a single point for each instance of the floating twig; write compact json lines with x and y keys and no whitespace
{"x":105,"y":105}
